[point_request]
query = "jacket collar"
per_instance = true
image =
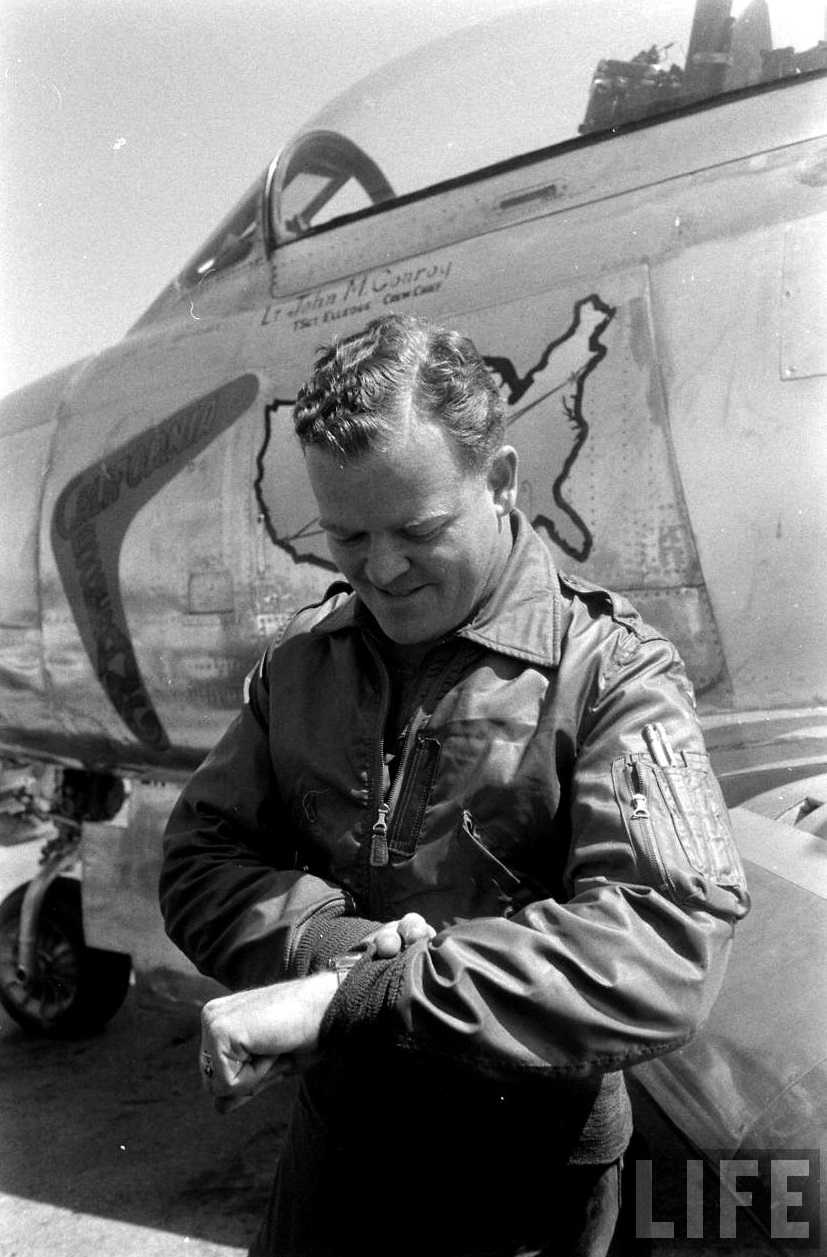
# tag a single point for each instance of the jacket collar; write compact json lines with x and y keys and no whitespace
{"x":523,"y":617}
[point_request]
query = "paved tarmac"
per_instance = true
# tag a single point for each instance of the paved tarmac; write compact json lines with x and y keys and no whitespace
{"x":108,"y":1145}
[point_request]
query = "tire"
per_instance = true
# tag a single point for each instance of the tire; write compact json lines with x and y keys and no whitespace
{"x":78,"y":988}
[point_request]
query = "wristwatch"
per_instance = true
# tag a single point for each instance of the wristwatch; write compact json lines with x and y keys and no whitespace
{"x":342,"y":964}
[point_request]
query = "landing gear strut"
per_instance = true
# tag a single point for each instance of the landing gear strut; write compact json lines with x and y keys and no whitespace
{"x":50,"y":981}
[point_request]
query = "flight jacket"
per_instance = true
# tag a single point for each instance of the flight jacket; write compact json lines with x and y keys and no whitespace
{"x":584,"y":895}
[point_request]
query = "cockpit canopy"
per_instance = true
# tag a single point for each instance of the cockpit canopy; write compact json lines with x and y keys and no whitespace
{"x":563,"y":72}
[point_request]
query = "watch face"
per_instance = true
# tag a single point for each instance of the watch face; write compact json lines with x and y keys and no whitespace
{"x":343,"y":963}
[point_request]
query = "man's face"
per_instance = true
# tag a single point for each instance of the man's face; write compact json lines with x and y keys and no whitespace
{"x":421,"y":539}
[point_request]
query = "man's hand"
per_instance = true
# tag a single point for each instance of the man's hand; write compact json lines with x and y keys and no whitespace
{"x":253,"y":1039}
{"x":391,"y":937}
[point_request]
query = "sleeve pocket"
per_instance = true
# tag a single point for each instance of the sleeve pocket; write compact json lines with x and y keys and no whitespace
{"x":699,"y":814}
{"x":678,"y":825}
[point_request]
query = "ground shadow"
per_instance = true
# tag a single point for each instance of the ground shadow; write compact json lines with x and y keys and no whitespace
{"x":117,"y":1126}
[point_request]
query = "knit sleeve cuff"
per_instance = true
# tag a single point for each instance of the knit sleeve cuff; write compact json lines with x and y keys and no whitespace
{"x":364,"y":998}
{"x":326,"y":936}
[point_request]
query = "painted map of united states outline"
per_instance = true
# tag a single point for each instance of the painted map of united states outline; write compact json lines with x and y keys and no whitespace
{"x":545,"y":405}
{"x":549,"y":397}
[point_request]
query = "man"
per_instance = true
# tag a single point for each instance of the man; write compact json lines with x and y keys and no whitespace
{"x":461,"y":857}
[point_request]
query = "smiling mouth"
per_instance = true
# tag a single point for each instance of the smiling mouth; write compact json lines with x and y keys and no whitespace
{"x":399,"y":595}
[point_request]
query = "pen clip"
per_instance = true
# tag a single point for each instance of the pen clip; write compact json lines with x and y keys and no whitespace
{"x":659,"y":746}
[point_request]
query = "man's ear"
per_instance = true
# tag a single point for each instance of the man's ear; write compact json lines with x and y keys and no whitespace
{"x":502,"y":479}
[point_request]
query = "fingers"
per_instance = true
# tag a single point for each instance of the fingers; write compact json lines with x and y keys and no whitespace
{"x":229,"y":1072}
{"x":233,"y":1087}
{"x":223,"y":1073}
{"x":386,"y":942}
{"x":412,"y":927}
{"x":233,"y":1082}
{"x":390,"y":938}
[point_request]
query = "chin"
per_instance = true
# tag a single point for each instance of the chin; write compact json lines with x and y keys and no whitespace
{"x":406,"y":636}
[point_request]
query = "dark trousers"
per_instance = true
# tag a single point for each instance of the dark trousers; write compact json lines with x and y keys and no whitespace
{"x":399,"y":1171}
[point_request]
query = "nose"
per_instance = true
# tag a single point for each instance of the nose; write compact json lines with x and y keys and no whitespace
{"x":386,"y":561}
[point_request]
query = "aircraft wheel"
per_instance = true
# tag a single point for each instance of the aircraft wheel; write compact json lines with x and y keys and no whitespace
{"x":78,"y":988}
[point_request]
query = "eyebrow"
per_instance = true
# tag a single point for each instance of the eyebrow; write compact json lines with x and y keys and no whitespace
{"x":334,"y":528}
{"x":425,"y":522}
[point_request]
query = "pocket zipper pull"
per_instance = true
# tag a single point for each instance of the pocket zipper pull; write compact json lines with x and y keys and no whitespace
{"x":379,"y":844}
{"x":640,"y":809}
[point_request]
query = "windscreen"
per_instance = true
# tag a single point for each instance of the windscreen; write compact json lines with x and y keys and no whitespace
{"x":550,"y":73}
{"x":562,"y":70}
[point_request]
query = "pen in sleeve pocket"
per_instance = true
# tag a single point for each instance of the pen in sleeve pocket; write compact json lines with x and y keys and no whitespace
{"x":659,"y":746}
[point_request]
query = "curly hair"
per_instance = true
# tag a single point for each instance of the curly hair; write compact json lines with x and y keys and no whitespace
{"x":368,"y":385}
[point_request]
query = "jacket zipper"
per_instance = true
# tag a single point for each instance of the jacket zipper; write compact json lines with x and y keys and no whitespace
{"x":378,"y":856}
{"x":389,"y":809}
{"x":379,"y":837}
